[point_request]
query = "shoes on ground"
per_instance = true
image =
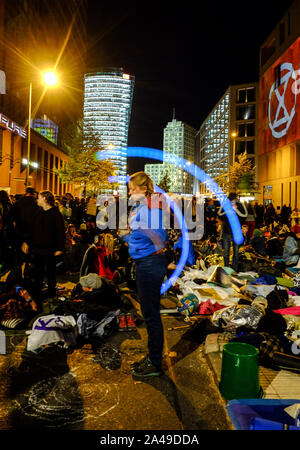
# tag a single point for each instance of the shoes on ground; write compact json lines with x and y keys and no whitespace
{"x":126,"y":322}
{"x":122,"y":323}
{"x":130,"y":322}
{"x":136,"y":364}
{"x":145,"y":369}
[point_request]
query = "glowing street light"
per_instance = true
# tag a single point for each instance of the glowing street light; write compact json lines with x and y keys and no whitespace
{"x":233,"y":135}
{"x":50,"y":79}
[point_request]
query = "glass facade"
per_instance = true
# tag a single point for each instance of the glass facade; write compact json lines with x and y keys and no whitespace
{"x":179,"y":140}
{"x":155,"y":172}
{"x":235,"y":112}
{"x":107,"y":109}
{"x":214,"y":140}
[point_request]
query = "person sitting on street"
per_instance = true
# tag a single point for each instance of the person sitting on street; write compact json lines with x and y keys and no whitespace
{"x":274,"y":246}
{"x":296,"y":228}
{"x":71,"y":236}
{"x":258,"y":243}
{"x":291,"y":250}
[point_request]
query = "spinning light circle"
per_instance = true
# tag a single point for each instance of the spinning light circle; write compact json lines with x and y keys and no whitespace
{"x":185,"y":242}
{"x":185,"y":235}
{"x":200,"y":175}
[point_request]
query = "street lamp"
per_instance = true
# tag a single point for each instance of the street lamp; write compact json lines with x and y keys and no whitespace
{"x":50,"y":79}
{"x":233,"y":135}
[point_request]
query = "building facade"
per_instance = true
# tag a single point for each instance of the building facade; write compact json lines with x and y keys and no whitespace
{"x":156,"y":172}
{"x":107,"y":109}
{"x":229,"y":130}
{"x":279,"y":113}
{"x":179,"y":141}
{"x":45,"y":158}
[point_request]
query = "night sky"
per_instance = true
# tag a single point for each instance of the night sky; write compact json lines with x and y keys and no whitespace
{"x":184,"y":55}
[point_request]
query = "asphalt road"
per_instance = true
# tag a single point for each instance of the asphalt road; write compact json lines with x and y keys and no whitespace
{"x":90,"y":388}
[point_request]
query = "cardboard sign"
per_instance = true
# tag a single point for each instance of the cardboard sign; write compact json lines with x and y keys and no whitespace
{"x":91,"y":207}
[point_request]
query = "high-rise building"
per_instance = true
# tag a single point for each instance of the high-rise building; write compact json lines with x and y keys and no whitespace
{"x":156,"y":172}
{"x":229,"y":130}
{"x":179,"y":141}
{"x":107,"y":108}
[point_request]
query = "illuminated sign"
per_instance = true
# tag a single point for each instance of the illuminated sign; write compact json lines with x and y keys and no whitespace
{"x":2,"y":82}
{"x":46,"y":128}
{"x":279,"y":102}
{"x":12,"y":126}
{"x":267,"y":192}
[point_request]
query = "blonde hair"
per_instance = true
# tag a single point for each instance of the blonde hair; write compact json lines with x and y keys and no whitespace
{"x":109,"y":242}
{"x":141,"y":179}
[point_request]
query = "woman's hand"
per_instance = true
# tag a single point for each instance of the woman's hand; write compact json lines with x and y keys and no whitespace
{"x":123,"y":232}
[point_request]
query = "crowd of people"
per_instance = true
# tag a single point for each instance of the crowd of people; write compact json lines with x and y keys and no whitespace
{"x":36,"y":229}
{"x":42,"y":235}
{"x":271,"y":233}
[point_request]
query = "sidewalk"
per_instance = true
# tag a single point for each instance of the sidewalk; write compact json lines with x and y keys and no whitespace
{"x":276,"y":384}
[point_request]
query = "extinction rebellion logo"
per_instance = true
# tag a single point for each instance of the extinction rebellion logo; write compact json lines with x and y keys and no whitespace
{"x":282,"y":100}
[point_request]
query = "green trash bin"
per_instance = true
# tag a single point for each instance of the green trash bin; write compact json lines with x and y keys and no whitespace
{"x":240,"y":372}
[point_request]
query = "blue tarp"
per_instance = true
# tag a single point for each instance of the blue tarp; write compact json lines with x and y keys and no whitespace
{"x":261,"y":414}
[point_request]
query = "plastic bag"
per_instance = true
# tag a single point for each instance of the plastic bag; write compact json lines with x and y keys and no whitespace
{"x":296,"y":280}
{"x":247,"y":316}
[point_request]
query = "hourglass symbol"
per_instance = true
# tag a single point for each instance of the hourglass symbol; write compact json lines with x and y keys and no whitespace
{"x":282,"y":116}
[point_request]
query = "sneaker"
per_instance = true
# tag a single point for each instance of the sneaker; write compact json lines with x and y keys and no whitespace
{"x":130,"y":322}
{"x":146,"y":369}
{"x":122,"y":322}
{"x":137,"y":363}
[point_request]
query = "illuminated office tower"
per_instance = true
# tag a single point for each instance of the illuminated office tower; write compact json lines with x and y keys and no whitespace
{"x":107,"y":108}
{"x":179,"y":141}
{"x":156,"y":172}
{"x":228,"y":131}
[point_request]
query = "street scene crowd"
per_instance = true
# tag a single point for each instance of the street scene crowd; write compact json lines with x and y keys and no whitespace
{"x":43,"y":236}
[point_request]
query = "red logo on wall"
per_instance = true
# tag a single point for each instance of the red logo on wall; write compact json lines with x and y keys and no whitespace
{"x":280,"y":102}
